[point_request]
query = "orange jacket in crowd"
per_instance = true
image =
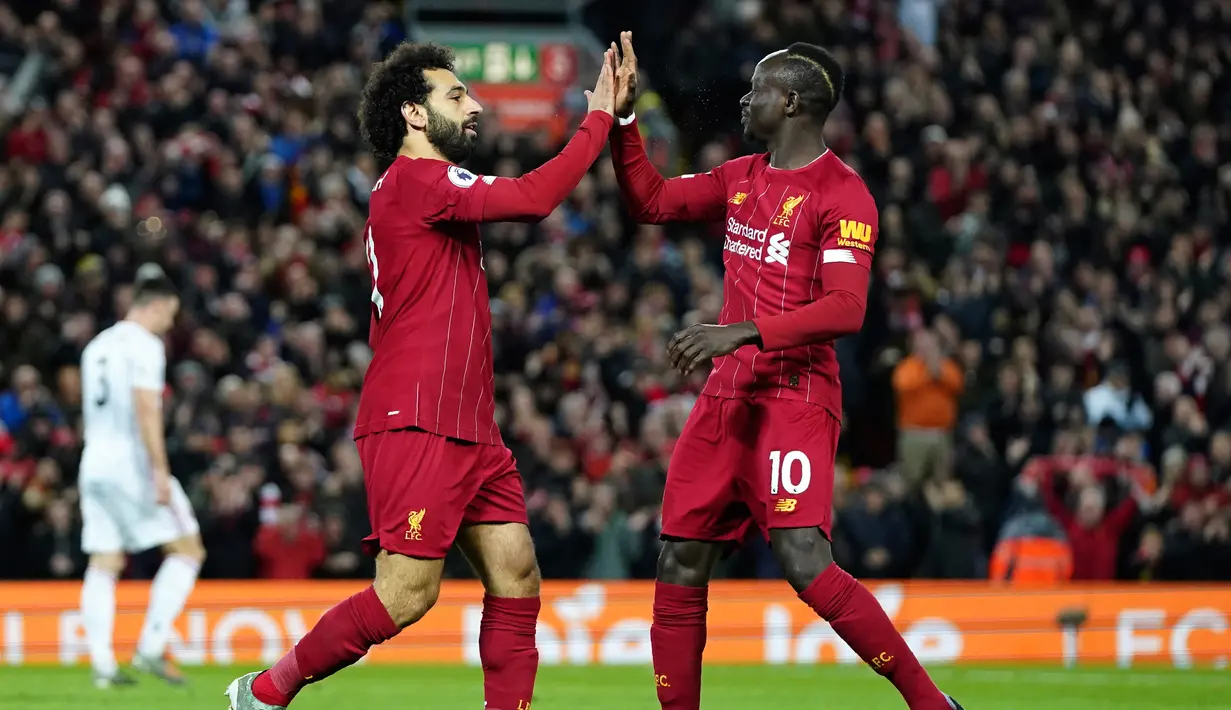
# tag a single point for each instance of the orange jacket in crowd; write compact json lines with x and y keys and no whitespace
{"x":924,"y":402}
{"x":1031,"y":560}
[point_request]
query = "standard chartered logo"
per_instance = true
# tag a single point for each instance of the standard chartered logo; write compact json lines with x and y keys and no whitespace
{"x":739,"y":229}
{"x":743,"y":240}
{"x":778,"y":250}
{"x":739,"y":236}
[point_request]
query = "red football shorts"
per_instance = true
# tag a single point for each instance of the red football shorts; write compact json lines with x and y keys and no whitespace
{"x":743,"y":461}
{"x":422,"y":488}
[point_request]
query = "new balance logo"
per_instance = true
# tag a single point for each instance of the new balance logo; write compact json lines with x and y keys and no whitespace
{"x":785,"y":505}
{"x":777,"y":250}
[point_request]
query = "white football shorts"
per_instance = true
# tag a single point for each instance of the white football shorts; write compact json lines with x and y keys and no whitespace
{"x":119,"y":517}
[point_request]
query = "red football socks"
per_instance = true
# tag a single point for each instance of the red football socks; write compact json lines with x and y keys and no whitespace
{"x":342,"y":636}
{"x":677,"y":639}
{"x":506,"y":649}
{"x":859,"y":620}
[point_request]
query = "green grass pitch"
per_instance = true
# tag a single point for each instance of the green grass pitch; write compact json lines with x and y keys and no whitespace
{"x":631,"y":688}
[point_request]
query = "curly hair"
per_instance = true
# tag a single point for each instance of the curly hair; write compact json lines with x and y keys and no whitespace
{"x":396,"y":81}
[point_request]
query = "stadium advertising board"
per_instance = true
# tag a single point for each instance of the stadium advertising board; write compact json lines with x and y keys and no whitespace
{"x":524,"y":82}
{"x":608,"y":623}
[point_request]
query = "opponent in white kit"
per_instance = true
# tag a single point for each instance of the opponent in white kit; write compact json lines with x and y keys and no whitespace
{"x":129,"y":500}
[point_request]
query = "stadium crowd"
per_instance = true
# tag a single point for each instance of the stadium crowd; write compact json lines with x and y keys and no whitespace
{"x":1045,"y":353}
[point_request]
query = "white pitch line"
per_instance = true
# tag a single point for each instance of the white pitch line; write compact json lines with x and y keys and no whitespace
{"x":1081,"y":677}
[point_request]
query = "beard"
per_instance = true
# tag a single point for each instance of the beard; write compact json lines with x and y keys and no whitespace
{"x":750,"y":135}
{"x":448,"y":137}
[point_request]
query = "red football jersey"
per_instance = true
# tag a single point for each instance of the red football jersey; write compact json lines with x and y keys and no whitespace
{"x":431,"y":332}
{"x":431,"y":318}
{"x":786,"y":230}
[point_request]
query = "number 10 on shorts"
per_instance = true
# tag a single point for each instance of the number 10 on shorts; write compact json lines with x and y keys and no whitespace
{"x":783,"y":469}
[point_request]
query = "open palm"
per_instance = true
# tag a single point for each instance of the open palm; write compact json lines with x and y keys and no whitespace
{"x":626,"y":76}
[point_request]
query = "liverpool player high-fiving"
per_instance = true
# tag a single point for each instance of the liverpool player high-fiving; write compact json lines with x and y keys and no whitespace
{"x":435,"y":467}
{"x":759,"y":445}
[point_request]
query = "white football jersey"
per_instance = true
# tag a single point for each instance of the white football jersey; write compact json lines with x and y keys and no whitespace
{"x":118,"y":360}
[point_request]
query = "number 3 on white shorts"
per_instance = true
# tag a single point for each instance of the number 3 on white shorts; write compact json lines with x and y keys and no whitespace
{"x":782,"y":469}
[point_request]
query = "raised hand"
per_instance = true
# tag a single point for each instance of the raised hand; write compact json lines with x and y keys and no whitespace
{"x":602,"y":98}
{"x":626,"y":77}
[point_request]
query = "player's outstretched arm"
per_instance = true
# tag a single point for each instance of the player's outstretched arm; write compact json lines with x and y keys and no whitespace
{"x":653,"y":199}
{"x":536,"y":194}
{"x":650,"y":197}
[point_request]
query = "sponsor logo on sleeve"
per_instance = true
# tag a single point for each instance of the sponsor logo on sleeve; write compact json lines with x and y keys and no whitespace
{"x":856,"y":235}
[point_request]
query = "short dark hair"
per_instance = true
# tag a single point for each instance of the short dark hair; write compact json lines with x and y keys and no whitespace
{"x":152,"y":283}
{"x":397,"y":80}
{"x":815,"y":74}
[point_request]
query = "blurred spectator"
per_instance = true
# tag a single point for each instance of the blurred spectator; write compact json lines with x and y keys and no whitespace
{"x":927,"y":385}
{"x":1152,"y":560}
{"x":54,"y":551}
{"x":619,"y":538}
{"x":344,"y":559}
{"x":986,"y":476}
{"x":228,"y":521}
{"x":291,"y":548}
{"x":877,"y":532}
{"x":1093,"y":531}
{"x":1113,"y":399}
{"x":562,"y":544}
{"x":955,"y":539}
{"x":27,"y":399}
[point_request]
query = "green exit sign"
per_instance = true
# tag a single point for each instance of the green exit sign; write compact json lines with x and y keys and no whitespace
{"x":498,"y":62}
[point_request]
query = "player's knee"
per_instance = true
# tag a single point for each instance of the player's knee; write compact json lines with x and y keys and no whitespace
{"x":503,"y":556}
{"x":519,"y":577}
{"x":407,"y":604}
{"x":686,"y":562}
{"x":408,"y":588}
{"x":189,"y":547}
{"x":803,"y":554}
{"x":110,"y":562}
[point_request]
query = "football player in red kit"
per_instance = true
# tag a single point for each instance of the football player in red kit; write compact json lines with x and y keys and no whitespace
{"x":759,"y":445}
{"x":435,"y":467}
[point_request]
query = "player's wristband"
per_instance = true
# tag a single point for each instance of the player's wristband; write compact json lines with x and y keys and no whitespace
{"x":627,"y":121}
